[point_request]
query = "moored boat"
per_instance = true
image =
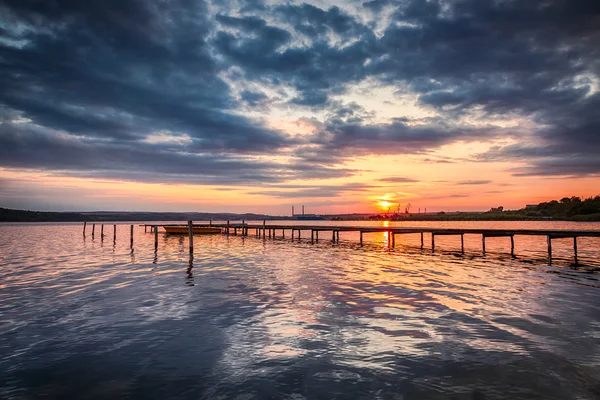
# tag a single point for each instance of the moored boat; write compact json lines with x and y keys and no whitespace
{"x":183,"y":229}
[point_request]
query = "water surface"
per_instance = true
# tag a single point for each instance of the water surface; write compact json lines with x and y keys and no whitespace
{"x":252,"y":318}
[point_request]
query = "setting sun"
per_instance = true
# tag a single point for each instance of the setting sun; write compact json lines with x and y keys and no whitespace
{"x":385,"y":204}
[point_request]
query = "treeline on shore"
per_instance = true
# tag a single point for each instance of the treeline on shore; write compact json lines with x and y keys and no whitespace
{"x":567,"y":208}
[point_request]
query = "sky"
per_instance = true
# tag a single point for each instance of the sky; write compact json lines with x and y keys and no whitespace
{"x":255,"y":106}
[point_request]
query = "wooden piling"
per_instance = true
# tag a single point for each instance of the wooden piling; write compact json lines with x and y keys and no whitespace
{"x":317,"y":236}
{"x":462,"y":242}
{"x":114,"y":232}
{"x":227,"y":227}
{"x":264,"y":233}
{"x":84,"y":224}
{"x":549,"y":239}
{"x":191,"y":236}
{"x":210,"y":222}
{"x":102,"y":231}
{"x":393,"y":239}
{"x":333,"y":236}
{"x":131,"y":236}
{"x":432,"y":241}
{"x":575,"y":248}
{"x":361,"y":238}
{"x":483,"y":243}
{"x":299,"y":230}
{"x":312,"y":235}
{"x":243,"y":233}
{"x":512,"y":245}
{"x":422,"y":244}
{"x":93,"y":229}
{"x":155,"y":237}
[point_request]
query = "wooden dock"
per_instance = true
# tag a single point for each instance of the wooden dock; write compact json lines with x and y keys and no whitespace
{"x":279,"y":230}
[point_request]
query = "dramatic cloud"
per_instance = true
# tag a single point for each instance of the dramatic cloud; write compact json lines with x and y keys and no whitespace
{"x":190,"y":91}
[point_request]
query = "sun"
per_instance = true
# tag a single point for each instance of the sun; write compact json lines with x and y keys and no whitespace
{"x":385,"y":204}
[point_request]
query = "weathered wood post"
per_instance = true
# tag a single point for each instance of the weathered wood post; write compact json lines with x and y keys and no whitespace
{"x":361,"y":238}
{"x":227,"y":227}
{"x":312,"y":236}
{"x":421,"y":239}
{"x":114,"y":232}
{"x":93,"y":229}
{"x":317,"y":236}
{"x":575,"y":248}
{"x":145,"y":228}
{"x":462,"y":242}
{"x":549,"y":247}
{"x":393,"y":239}
{"x":483,"y":242}
{"x":338,"y":236}
{"x":512,"y":245}
{"x":292,"y":234}
{"x":210,"y":222}
{"x":264,"y":230}
{"x":333,"y":236}
{"x":191,"y":235}
{"x":155,"y":237}
{"x":131,"y":236}
{"x":299,"y":234}
{"x":102,"y":231}
{"x":432,"y":241}
{"x":84,"y":224}
{"x":243,"y":228}
{"x":283,"y":233}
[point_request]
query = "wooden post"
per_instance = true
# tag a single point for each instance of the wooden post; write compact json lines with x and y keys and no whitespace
{"x":512,"y":245}
{"x":421,"y":239}
{"x":114,"y":232}
{"x":235,"y":230}
{"x":270,"y":233}
{"x":338,"y":236}
{"x":227,"y":227}
{"x":283,"y":233}
{"x":264,"y":228}
{"x":483,"y":243}
{"x":312,"y":236}
{"x":575,"y":248}
{"x":191,"y":236}
{"x":84,"y":224}
{"x":292,"y":234}
{"x":155,"y":237}
{"x":131,"y":236}
{"x":145,"y":228}
{"x":432,"y":241}
{"x":317,"y":236}
{"x":93,"y":229}
{"x":462,"y":242}
{"x":299,"y":234}
{"x":333,"y":236}
{"x":243,"y":230}
{"x":361,"y":238}
{"x":102,"y":231}
{"x":549,"y":247}
{"x":393,"y":239}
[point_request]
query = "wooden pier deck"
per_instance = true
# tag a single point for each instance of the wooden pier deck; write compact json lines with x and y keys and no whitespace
{"x":278,"y":230}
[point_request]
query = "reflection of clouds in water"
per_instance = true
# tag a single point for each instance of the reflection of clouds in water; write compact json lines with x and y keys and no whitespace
{"x":321,"y":317}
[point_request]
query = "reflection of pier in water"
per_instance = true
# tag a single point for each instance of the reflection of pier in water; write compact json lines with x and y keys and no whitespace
{"x":277,"y":230}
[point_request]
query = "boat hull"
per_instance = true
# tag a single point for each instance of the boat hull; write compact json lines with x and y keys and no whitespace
{"x":197,"y":230}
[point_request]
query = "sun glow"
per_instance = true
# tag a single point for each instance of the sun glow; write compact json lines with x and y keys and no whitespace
{"x":385,"y":204}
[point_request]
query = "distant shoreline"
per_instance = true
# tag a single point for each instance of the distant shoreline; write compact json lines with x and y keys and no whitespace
{"x":9,"y":215}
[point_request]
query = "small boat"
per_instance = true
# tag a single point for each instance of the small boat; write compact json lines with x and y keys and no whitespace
{"x":183,"y":229}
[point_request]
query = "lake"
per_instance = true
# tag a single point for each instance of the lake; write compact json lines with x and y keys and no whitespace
{"x":249,"y":318}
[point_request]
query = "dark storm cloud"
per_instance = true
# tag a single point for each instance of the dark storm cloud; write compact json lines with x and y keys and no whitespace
{"x":113,"y":72}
